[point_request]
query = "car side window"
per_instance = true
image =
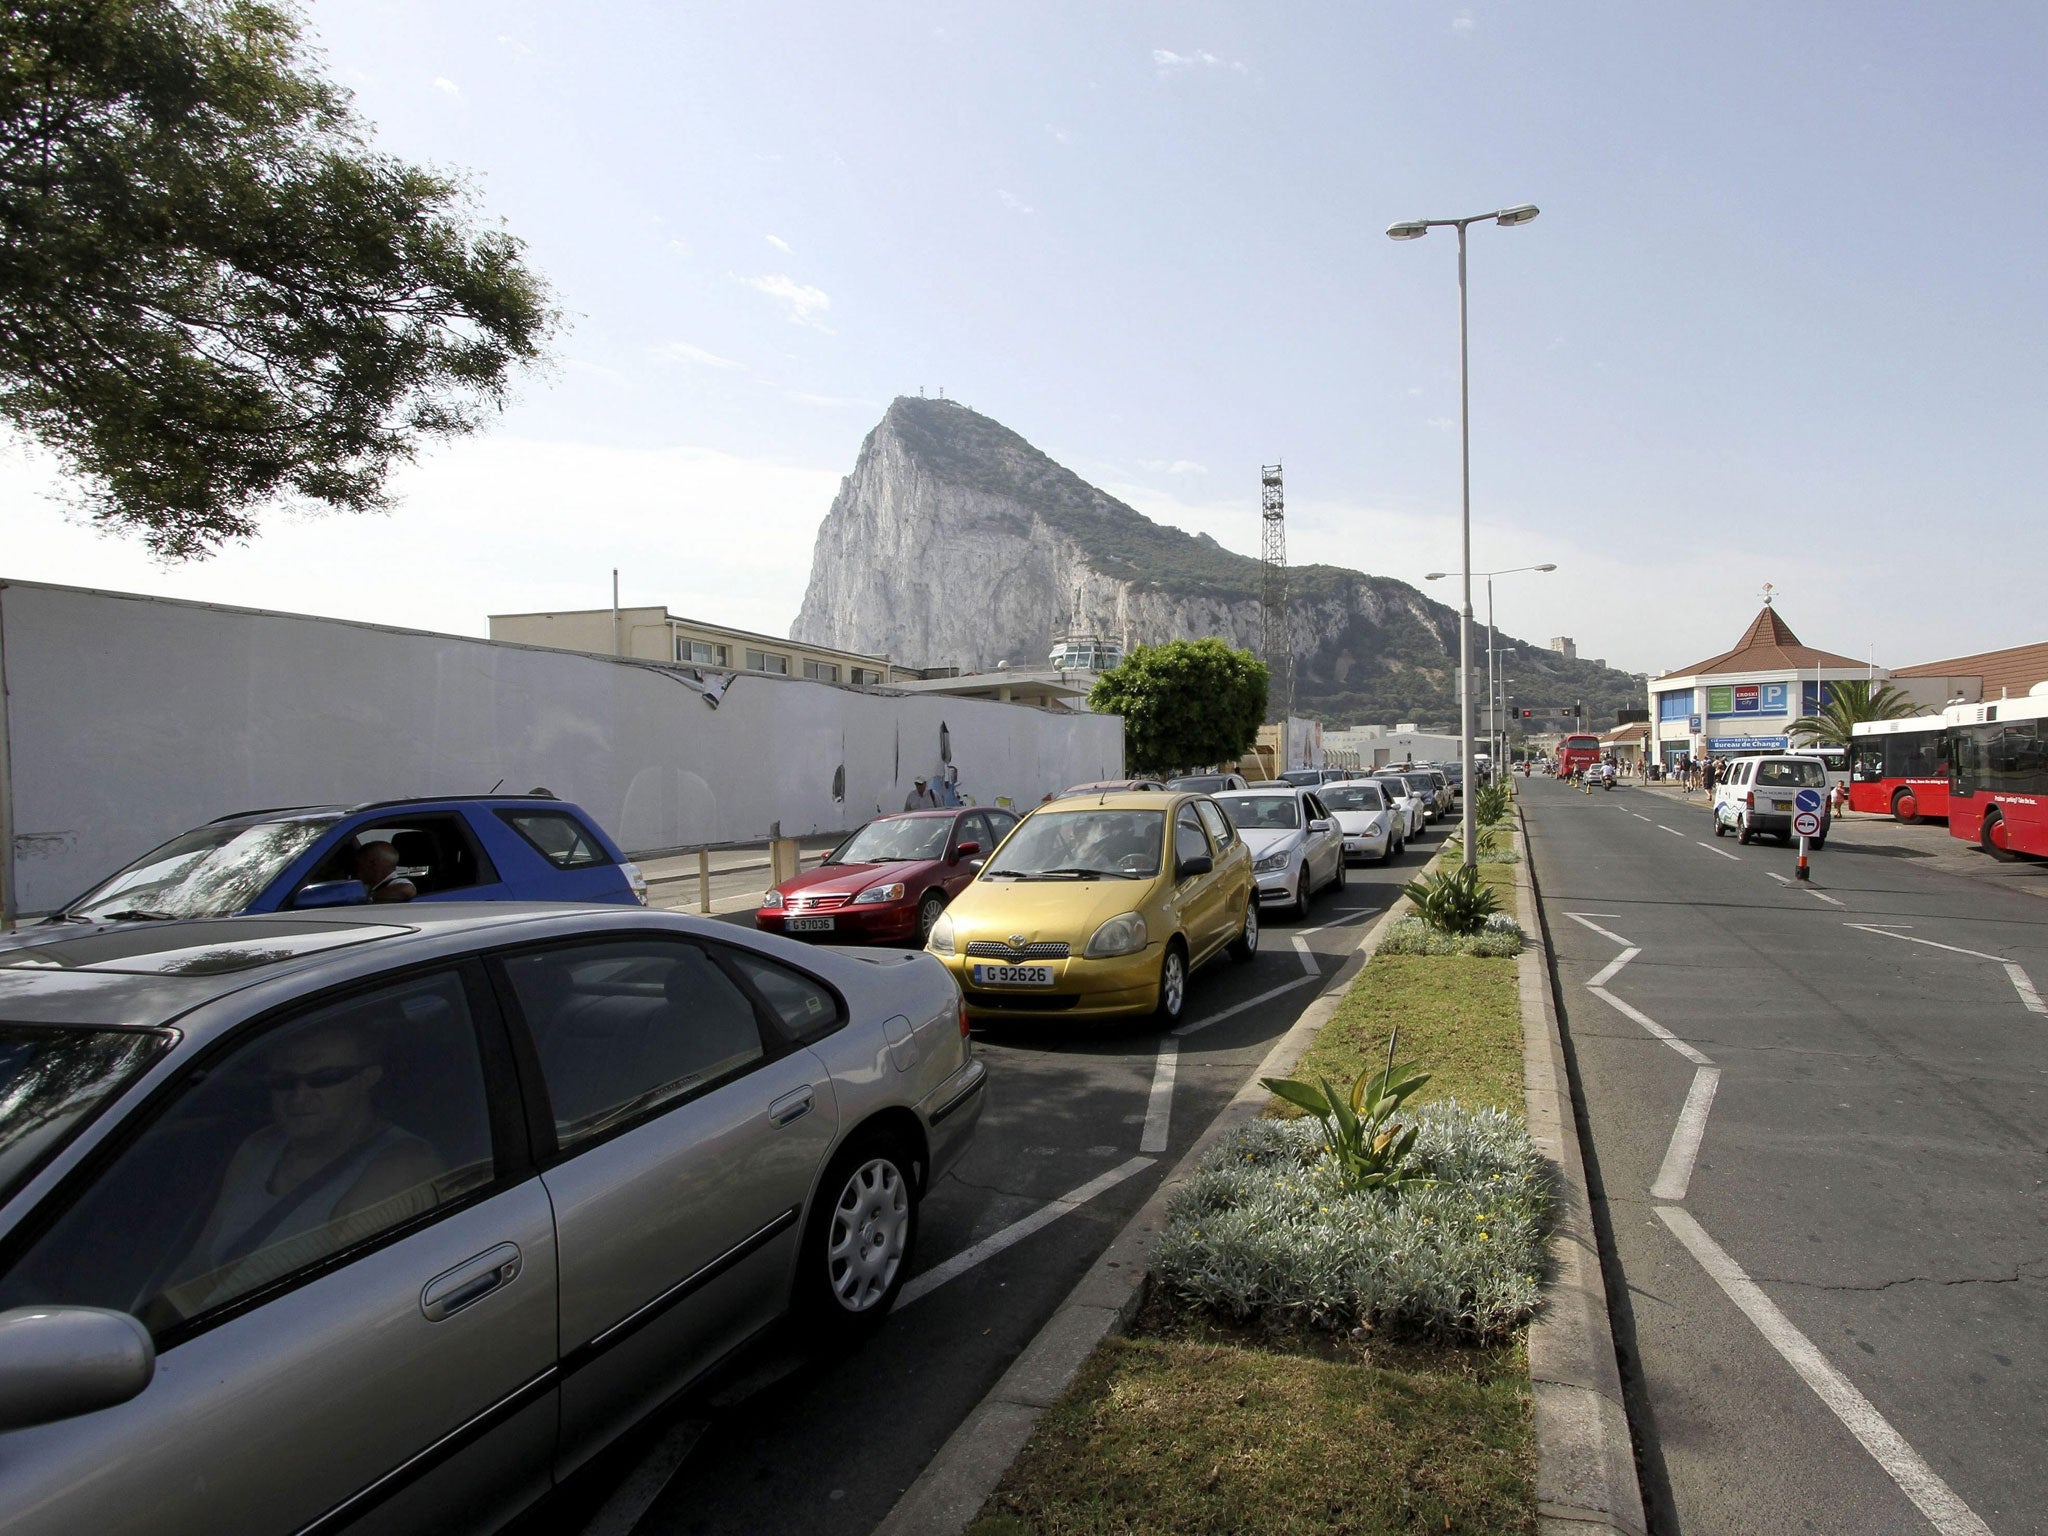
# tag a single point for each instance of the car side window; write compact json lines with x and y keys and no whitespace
{"x":315,"y":1137}
{"x":436,"y":852}
{"x":1218,"y":824}
{"x":558,"y":837}
{"x":1316,"y":812}
{"x":974,"y":829}
{"x":1189,"y":841}
{"x":805,"y":1009}
{"x":625,"y":1028}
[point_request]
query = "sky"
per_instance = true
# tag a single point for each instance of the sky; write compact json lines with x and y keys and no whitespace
{"x":1780,"y":319}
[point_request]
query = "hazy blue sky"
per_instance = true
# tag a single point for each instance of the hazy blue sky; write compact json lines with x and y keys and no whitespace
{"x":1781,"y":319}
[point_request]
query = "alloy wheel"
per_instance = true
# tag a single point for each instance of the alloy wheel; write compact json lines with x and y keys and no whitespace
{"x":865,"y":1242}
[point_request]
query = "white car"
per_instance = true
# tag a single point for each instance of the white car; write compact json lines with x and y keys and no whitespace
{"x":1410,"y":797}
{"x":1374,"y":827}
{"x":1295,"y":846}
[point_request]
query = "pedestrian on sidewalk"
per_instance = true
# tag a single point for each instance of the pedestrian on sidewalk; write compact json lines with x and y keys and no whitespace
{"x":920,"y":797}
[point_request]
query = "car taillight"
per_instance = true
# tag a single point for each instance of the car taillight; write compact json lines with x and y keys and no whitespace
{"x":963,"y":1018}
{"x":1749,"y":800}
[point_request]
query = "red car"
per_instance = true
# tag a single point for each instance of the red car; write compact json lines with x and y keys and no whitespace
{"x":890,"y":880}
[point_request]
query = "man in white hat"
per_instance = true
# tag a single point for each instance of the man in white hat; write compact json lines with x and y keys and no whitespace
{"x":920,"y":797}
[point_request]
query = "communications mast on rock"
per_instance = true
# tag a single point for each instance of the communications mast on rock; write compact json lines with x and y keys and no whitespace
{"x":1274,"y":647}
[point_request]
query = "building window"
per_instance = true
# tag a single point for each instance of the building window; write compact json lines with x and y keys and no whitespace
{"x":1676,"y":705}
{"x":701,"y":652}
{"x":822,"y":671}
{"x":767,"y":661}
{"x":865,"y":676}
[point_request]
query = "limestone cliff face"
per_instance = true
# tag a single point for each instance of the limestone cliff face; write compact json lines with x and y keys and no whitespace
{"x":954,"y":542}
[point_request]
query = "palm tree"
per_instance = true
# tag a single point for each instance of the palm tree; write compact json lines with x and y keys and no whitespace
{"x":1849,"y":704}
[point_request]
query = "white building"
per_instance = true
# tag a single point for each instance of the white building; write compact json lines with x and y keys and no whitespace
{"x":1746,"y":698}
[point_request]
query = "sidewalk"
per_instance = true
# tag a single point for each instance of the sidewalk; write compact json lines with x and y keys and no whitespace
{"x":738,"y":875}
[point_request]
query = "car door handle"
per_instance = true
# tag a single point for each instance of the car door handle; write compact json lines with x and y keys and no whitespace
{"x":791,"y":1106}
{"x":469,"y":1282}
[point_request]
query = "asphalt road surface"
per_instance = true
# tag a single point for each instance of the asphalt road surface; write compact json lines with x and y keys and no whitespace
{"x":1814,"y":1115}
{"x":1081,"y":1125}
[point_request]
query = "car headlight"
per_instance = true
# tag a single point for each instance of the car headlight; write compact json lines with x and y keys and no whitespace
{"x":941,"y":940}
{"x":1373,"y":827}
{"x":635,"y":881}
{"x":876,"y":894}
{"x":1122,"y":935}
{"x":772,"y":899}
{"x":1275,"y":860}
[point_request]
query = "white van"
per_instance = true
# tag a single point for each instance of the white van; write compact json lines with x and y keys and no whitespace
{"x":1757,"y":796}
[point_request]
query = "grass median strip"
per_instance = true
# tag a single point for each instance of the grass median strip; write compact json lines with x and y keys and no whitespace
{"x":1202,"y":1423}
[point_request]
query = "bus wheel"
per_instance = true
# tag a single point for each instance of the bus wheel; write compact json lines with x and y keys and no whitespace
{"x":1905,"y":807}
{"x":1993,"y":839}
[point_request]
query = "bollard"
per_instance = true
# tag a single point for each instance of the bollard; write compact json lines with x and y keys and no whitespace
{"x":1804,"y":873}
{"x":704,"y":880}
{"x":784,"y":860}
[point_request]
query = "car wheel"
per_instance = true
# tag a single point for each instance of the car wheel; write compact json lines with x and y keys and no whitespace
{"x":1742,"y":833}
{"x":857,"y":1250}
{"x":1173,"y":987}
{"x":928,"y":912}
{"x":1339,"y":882}
{"x":1245,"y":947}
{"x":1302,"y":895}
{"x":1719,"y":830}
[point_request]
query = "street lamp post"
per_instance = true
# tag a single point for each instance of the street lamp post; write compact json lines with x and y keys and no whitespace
{"x":1415,"y":229}
{"x":1492,"y":688}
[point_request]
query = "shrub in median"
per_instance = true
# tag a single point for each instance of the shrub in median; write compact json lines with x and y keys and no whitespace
{"x":1452,"y":900}
{"x":1500,"y":937}
{"x":1267,"y":1229}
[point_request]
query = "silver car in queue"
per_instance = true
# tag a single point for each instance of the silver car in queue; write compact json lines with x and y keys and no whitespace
{"x":390,"y":1218}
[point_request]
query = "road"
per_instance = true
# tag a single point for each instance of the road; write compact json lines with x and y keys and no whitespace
{"x":1814,"y":1127}
{"x":1080,"y":1127}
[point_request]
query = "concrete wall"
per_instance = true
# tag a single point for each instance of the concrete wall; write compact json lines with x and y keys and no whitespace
{"x":127,"y":720}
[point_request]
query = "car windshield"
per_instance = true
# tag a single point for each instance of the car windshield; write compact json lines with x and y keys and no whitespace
{"x":1204,"y":783}
{"x":52,"y":1082}
{"x":211,"y":872}
{"x":1261,"y":813}
{"x":1792,"y":775}
{"x":1401,"y":786}
{"x":1353,"y":797}
{"x":894,"y":840}
{"x":1081,"y":845}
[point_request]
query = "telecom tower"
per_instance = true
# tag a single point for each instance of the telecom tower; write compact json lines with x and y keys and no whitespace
{"x":1274,"y":647}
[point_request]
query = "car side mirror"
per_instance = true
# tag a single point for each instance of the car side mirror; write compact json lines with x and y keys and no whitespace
{"x":967,"y":850}
{"x":1320,"y":826}
{"x":331,"y":893}
{"x":59,"y":1362}
{"x":1199,"y":864}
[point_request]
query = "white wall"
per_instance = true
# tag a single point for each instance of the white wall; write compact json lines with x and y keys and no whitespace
{"x":129,"y":719}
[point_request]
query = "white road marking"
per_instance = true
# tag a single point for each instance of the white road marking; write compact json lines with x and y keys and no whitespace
{"x":1337,"y":922}
{"x":1672,"y":830}
{"x":1824,"y":896}
{"x":1018,"y":1230}
{"x":1159,"y":1107}
{"x":1676,"y":1173}
{"x":2025,"y":987}
{"x":1781,"y":879}
{"x":1629,"y":1012}
{"x":1236,"y":1008}
{"x":1308,"y":958}
{"x":1639,"y":816}
{"x":1916,"y":1479}
{"x":1954,"y":949}
{"x":633,"y":1497}
{"x":1580,"y":918}
{"x":1722,"y":851}
{"x":1613,"y":967}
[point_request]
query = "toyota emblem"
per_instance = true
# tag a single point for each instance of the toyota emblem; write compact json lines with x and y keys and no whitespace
{"x":1016,"y":941}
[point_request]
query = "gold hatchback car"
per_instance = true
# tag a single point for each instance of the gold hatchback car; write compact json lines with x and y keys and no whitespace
{"x":1100,"y":906}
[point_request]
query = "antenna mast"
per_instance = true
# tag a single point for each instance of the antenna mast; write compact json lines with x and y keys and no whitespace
{"x":1275,"y":648}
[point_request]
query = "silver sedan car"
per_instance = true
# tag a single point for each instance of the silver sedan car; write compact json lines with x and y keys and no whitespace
{"x":389,"y":1219}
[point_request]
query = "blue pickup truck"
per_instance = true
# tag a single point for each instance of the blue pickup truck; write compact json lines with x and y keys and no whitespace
{"x":460,"y":848}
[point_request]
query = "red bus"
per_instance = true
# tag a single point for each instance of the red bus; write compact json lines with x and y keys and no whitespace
{"x":1899,"y":768}
{"x":1998,"y":774}
{"x":1575,"y":752}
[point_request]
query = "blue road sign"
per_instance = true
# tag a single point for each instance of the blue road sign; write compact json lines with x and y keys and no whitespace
{"x":1807,"y":800}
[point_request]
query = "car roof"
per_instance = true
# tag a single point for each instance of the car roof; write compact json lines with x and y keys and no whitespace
{"x":283,"y":812}
{"x":147,"y":975}
{"x":1120,"y":800}
{"x":1267,"y":787}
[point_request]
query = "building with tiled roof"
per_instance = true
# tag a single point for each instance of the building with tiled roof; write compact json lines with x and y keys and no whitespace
{"x":2010,"y":673}
{"x":1746,"y":698}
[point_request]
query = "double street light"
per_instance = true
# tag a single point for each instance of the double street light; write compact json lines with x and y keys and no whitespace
{"x":1415,"y":229}
{"x":1494,"y":691}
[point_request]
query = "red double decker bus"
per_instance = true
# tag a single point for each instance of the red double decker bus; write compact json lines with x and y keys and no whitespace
{"x":1998,"y":774}
{"x":1575,"y":752}
{"x":1899,"y":767}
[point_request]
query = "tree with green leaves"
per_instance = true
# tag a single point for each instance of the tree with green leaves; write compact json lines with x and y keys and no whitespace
{"x":1186,"y":704}
{"x":1849,"y":704}
{"x":213,"y":290}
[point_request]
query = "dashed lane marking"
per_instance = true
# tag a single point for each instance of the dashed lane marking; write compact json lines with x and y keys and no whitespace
{"x":1916,"y":1479}
{"x":1018,"y":1230}
{"x":1308,"y":957}
{"x":2022,"y":983}
{"x":1722,"y":851}
{"x":1824,"y":896}
{"x":1159,"y":1106}
{"x":1672,"y":830}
